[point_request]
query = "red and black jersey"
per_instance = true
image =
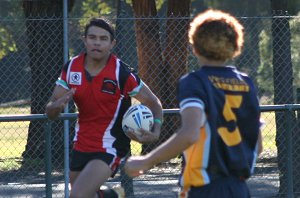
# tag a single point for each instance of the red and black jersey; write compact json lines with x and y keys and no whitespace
{"x":101,"y":101}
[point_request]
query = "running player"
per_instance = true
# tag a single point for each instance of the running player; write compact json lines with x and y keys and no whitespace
{"x":219,"y":134}
{"x":101,"y":86}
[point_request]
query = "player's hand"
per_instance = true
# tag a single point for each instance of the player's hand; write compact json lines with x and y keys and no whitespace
{"x":142,"y":136}
{"x":147,"y":136}
{"x":61,"y":102}
{"x":131,"y":134}
{"x":136,"y":165}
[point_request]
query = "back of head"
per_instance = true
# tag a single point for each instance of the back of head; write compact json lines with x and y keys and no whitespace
{"x":216,"y":35}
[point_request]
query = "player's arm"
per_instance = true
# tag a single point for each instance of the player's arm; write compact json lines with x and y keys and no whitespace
{"x":192,"y":120}
{"x":259,"y":144}
{"x":146,"y":97}
{"x":60,"y":97}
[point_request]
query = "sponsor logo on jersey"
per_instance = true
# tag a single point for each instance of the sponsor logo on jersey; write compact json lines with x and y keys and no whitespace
{"x":109,"y":86}
{"x":75,"y":78}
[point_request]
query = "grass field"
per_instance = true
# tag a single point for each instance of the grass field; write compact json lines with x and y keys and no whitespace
{"x":14,"y":136}
{"x":269,"y":131}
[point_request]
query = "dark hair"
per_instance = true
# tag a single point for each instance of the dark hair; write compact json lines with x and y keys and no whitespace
{"x":102,"y":23}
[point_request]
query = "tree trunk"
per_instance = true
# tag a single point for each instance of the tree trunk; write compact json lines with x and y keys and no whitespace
{"x":150,"y":64}
{"x":176,"y":50}
{"x":283,"y":92}
{"x":175,"y":53}
{"x":162,"y":62}
{"x":44,"y":27}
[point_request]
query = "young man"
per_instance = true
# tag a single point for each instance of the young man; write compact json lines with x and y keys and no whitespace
{"x":219,"y":134}
{"x":101,"y":86}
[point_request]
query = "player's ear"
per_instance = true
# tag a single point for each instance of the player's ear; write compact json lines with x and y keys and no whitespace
{"x":113,"y":43}
{"x":195,"y":51}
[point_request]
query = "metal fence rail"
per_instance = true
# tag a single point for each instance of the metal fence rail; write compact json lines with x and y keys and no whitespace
{"x":49,"y":181}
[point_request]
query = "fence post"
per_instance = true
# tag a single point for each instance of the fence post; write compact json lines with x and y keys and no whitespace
{"x":66,"y":110}
{"x":290,"y":185}
{"x":48,"y":163}
{"x":298,"y":101}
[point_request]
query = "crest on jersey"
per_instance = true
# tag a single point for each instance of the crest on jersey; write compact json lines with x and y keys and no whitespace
{"x":75,"y":78}
{"x":109,"y":86}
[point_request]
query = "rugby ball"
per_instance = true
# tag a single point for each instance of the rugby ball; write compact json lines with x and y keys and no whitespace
{"x":137,"y":117}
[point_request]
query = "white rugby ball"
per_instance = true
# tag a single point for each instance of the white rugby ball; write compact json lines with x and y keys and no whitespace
{"x":137,"y":117}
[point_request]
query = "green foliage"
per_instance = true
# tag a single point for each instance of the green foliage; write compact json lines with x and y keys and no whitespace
{"x":87,"y":9}
{"x":159,"y":3}
{"x":7,"y":44}
{"x":92,"y":8}
{"x":265,"y":71}
{"x":9,"y":11}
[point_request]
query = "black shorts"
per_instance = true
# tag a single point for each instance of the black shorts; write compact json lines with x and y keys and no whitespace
{"x":80,"y":159}
{"x":228,"y":187}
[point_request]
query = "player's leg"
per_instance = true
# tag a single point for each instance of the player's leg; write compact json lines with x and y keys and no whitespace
{"x":73,"y":176}
{"x":78,"y":162}
{"x":87,"y":183}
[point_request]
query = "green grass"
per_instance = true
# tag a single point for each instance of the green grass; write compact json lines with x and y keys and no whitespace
{"x":269,"y":132}
{"x":22,"y":109}
{"x":13,"y":140}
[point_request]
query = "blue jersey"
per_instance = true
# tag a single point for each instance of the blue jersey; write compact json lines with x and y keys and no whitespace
{"x":228,"y":138}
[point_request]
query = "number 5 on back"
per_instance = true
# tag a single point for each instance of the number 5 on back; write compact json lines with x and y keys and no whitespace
{"x":231,"y":138}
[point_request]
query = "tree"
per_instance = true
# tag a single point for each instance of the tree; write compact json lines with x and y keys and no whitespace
{"x":44,"y":28}
{"x":162,"y":60}
{"x":283,"y":94}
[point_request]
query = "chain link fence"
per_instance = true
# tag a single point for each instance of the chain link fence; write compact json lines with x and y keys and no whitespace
{"x":31,"y":58}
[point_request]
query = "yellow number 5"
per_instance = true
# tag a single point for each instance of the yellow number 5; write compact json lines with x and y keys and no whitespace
{"x":231,"y":138}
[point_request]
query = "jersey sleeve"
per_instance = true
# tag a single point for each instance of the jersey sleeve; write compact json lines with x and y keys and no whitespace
{"x":62,"y":80}
{"x":133,"y":85}
{"x":190,"y":93}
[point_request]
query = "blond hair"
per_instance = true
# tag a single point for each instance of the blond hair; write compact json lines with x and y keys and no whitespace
{"x":216,"y":35}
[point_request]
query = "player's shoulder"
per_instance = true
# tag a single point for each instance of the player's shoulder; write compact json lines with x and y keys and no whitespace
{"x":191,"y":77}
{"x":66,"y":66}
{"x":68,"y":63}
{"x":244,"y":76}
{"x":124,"y":67}
{"x":241,"y":73}
{"x":190,"y":81}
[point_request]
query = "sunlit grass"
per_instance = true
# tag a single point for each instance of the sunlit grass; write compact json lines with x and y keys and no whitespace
{"x":13,"y":140}
{"x":268,"y":131}
{"x":136,"y":148}
{"x":24,"y":109}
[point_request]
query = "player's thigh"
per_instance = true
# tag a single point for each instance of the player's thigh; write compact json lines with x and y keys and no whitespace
{"x":73,"y":177}
{"x":94,"y":174}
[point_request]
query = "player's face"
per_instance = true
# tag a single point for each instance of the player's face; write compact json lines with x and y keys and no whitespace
{"x":98,"y":43}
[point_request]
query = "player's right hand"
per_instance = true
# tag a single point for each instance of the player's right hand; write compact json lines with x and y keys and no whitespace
{"x":61,"y":102}
{"x":136,"y":165}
